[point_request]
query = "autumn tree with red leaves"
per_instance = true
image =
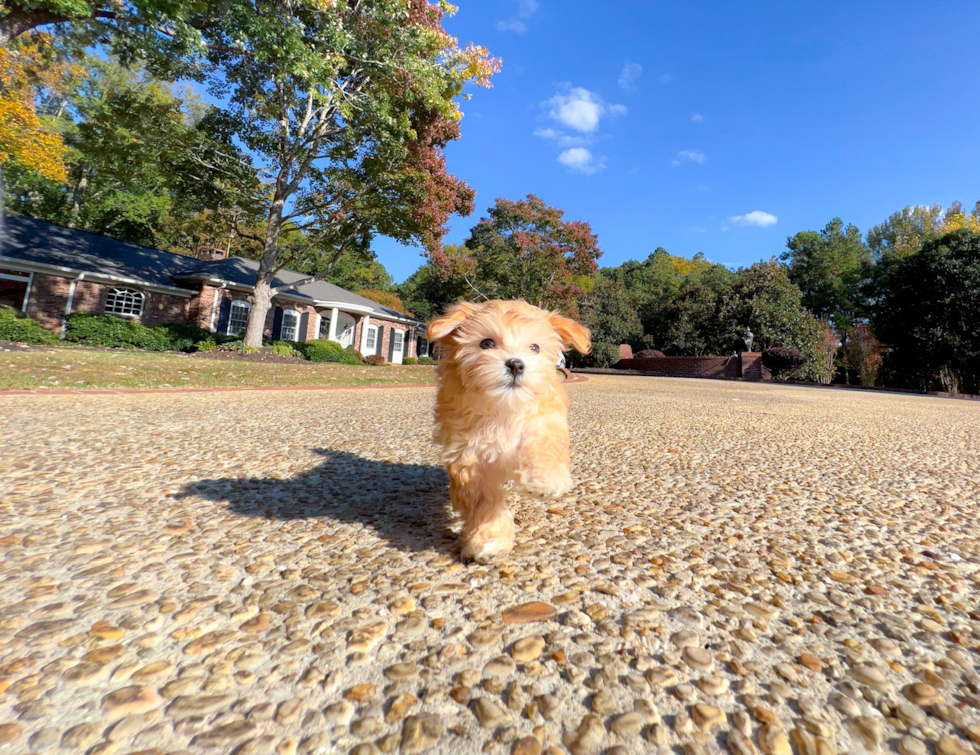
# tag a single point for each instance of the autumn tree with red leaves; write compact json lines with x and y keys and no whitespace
{"x":346,"y":108}
{"x":525,"y":250}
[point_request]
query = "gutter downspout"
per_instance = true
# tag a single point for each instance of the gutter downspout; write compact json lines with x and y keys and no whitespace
{"x":71,"y":299}
{"x":214,"y":304}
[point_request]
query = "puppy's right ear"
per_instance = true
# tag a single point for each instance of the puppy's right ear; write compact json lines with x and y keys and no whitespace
{"x":451,"y":319}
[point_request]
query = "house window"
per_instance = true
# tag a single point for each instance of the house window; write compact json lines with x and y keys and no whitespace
{"x":124,"y":301}
{"x":290,"y":325}
{"x":324,"y":332}
{"x":14,"y":288}
{"x":238,"y":319}
{"x":372,"y":338}
{"x":396,"y":340}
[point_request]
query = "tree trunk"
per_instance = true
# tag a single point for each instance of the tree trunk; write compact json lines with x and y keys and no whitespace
{"x":262,"y":296}
{"x":76,"y":198}
{"x":261,"y":303}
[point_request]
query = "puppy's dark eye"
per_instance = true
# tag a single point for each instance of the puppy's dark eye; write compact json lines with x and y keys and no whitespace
{"x":487,"y":343}
{"x":535,"y":348}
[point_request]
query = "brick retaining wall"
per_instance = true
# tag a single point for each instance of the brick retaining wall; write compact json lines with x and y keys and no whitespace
{"x":747,"y":366}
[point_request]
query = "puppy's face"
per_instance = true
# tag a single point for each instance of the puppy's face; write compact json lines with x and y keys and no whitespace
{"x":505,"y":350}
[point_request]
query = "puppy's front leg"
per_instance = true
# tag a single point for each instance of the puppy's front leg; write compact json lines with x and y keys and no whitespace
{"x":488,"y":528}
{"x":544,"y":460}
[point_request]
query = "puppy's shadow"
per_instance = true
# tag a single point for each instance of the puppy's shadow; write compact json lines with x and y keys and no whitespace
{"x":406,"y":504}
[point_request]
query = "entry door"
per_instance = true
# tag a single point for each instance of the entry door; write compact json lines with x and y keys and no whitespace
{"x":397,"y":346}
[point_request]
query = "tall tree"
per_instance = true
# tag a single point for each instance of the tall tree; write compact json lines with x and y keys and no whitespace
{"x":831,"y":267}
{"x":27,"y":138}
{"x":608,"y":313}
{"x":346,"y":107}
{"x":907,"y":231}
{"x":430,"y":289}
{"x":525,"y":250}
{"x":134,"y":161}
{"x":927,"y":313}
{"x":656,"y":282}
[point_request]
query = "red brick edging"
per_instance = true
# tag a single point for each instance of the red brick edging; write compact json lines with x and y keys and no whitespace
{"x":224,"y":389}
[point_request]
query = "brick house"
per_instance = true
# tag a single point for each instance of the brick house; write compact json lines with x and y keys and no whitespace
{"x":49,"y":271}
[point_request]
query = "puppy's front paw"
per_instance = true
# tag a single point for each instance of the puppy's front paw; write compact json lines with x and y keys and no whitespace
{"x":546,"y":487}
{"x":485,"y":549}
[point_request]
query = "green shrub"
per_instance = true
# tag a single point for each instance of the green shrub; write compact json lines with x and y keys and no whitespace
{"x":16,"y":326}
{"x":375,"y":360}
{"x":426,"y":360}
{"x":238,"y":347}
{"x":284,"y":349}
{"x":327,"y":351}
{"x":782,"y":362}
{"x":206,"y":345}
{"x":410,"y":360}
{"x":604,"y":354}
{"x":184,"y":337}
{"x":115,"y":332}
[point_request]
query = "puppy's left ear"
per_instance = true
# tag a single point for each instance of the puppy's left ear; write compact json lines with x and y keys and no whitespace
{"x":451,"y":319}
{"x":572,"y":333}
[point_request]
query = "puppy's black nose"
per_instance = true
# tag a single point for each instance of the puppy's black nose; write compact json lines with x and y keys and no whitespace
{"x":516,"y":366}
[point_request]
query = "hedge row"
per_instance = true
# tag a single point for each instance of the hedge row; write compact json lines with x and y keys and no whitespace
{"x":327,"y":351}
{"x":16,"y":326}
{"x":119,"y":333}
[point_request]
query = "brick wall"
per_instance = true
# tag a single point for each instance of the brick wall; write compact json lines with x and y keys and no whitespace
{"x":49,"y":297}
{"x":386,"y":338}
{"x":160,"y":309}
{"x":747,"y":366}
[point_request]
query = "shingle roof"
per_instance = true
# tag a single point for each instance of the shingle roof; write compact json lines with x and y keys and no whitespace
{"x":48,"y":244}
{"x":241,"y":271}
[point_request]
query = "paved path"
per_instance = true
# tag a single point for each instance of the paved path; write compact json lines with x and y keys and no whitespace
{"x":741,"y":568}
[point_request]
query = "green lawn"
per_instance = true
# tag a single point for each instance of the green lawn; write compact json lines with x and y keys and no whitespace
{"x":75,"y":368}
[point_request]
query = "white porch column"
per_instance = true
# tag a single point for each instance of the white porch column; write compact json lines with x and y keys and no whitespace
{"x":364,"y":326}
{"x":334,"y":316}
{"x":71,"y":300}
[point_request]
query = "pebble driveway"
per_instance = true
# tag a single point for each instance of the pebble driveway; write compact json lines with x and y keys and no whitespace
{"x":741,"y":568}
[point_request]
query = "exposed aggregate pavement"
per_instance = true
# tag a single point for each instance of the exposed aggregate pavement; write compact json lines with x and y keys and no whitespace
{"x":741,"y":568}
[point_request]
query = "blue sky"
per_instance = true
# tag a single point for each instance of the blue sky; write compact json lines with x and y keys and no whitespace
{"x":717,"y":127}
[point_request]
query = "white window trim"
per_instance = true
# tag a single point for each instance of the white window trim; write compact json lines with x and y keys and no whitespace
{"x":241,"y":304}
{"x":29,"y":277}
{"x":142,"y":300}
{"x":372,"y":335}
{"x":282,"y":325}
{"x":400,"y":335}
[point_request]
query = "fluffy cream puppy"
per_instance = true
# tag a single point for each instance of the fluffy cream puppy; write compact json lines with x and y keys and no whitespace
{"x":501,"y":412}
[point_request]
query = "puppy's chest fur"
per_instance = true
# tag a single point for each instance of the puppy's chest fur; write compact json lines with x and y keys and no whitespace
{"x":489,"y":439}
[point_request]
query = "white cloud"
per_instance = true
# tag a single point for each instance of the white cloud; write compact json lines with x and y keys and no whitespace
{"x":581,"y":160}
{"x":525,"y":9}
{"x":756,"y":218}
{"x":697,"y":118}
{"x":631,"y":72}
{"x":665,"y":78}
{"x":581,"y":109}
{"x":689,"y":155}
{"x":562,"y":139}
{"x":514,"y":25}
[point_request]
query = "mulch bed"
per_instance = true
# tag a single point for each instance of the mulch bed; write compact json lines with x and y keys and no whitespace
{"x":17,"y":346}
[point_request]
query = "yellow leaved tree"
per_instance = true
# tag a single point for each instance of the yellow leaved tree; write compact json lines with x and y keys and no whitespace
{"x":26,"y":137}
